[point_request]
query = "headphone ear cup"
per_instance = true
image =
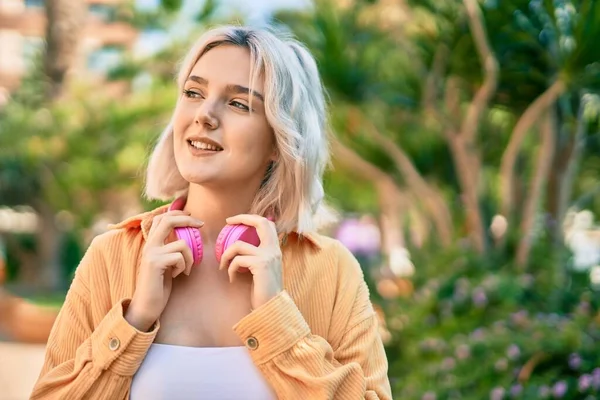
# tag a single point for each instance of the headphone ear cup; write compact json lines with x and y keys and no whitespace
{"x":220,"y":244}
{"x":194,"y":241}
{"x":231,"y":234}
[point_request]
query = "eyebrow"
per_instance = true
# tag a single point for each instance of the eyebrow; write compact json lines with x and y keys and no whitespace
{"x":238,"y":89}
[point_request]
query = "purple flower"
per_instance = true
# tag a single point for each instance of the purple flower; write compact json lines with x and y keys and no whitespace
{"x":520,"y":317}
{"x":497,"y":393}
{"x":478,"y":334}
{"x":559,"y":389}
{"x":359,"y":236}
{"x":429,"y":396}
{"x":463,"y":351}
{"x":585,"y":381}
{"x":460,"y":294}
{"x":448,"y":363}
{"x":574,"y":361}
{"x":516,"y":390}
{"x":513,"y":352}
{"x":596,"y":378}
{"x":553,"y":318}
{"x":584,"y":307}
{"x":499,"y":327}
{"x":479,"y":297}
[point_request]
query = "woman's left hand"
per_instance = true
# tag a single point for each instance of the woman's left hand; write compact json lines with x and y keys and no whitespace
{"x":264,"y":261}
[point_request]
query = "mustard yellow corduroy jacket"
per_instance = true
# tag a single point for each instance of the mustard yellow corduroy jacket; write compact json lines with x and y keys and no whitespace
{"x":318,"y":339}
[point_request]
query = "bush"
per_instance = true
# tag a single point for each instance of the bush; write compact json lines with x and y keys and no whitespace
{"x":479,"y":329}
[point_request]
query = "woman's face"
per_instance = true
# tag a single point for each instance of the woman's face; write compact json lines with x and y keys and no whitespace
{"x":217,"y":138}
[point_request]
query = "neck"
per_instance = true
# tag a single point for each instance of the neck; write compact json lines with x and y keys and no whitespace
{"x":214,"y":205}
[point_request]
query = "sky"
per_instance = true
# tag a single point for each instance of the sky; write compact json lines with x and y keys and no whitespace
{"x":255,"y":12}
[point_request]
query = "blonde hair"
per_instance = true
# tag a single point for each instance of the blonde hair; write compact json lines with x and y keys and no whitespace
{"x":296,"y":111}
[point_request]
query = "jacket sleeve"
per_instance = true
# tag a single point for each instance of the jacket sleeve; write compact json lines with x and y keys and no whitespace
{"x":300,"y":365}
{"x":84,"y":361}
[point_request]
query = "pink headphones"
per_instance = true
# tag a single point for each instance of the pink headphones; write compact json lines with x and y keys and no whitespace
{"x":228,"y":235}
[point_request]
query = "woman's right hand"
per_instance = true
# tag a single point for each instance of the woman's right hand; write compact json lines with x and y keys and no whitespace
{"x":160,"y":263}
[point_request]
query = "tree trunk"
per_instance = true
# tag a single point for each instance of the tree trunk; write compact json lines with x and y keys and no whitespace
{"x":509,"y":158}
{"x":467,"y":169}
{"x":540,"y":176}
{"x":433,"y":201}
{"x":479,"y":104}
{"x":65,"y":21}
{"x":48,"y":240}
{"x":388,"y":193}
{"x":573,"y":161}
{"x":463,"y":144}
{"x":555,"y":181}
{"x":392,"y":234}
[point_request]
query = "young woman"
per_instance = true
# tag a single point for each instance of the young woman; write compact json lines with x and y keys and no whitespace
{"x":287,"y":317}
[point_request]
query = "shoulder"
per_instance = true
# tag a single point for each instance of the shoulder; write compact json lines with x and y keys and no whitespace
{"x":331,"y":257}
{"x":332,"y":279}
{"x":114,"y":254}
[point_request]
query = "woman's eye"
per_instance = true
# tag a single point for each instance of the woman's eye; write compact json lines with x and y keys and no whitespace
{"x":191,"y":94}
{"x":239,"y":105}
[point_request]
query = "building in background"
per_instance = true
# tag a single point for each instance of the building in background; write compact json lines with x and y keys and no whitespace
{"x":22,"y":32}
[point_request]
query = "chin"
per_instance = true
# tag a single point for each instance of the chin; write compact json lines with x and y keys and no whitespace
{"x":199,"y":178}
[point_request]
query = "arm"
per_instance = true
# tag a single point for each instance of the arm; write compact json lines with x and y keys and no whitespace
{"x":300,"y":365}
{"x":83,"y":361}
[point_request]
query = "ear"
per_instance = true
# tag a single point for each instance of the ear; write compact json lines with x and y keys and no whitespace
{"x":274,"y":155}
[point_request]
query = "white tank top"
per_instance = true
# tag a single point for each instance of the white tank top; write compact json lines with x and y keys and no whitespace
{"x":216,"y":373}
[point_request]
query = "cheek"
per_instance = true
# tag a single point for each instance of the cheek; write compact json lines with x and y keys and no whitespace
{"x":182,"y":118}
{"x":258,"y":136}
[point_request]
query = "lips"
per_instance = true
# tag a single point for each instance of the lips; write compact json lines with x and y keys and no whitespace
{"x":204,"y":146}
{"x":204,"y":143}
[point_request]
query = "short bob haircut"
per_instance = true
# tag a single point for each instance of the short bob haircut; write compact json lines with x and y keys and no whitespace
{"x":296,"y":111}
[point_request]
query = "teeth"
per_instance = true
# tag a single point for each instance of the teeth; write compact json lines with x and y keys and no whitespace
{"x":204,"y":146}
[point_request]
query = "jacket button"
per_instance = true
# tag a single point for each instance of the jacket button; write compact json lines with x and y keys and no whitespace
{"x":114,"y":344}
{"x":252,"y":343}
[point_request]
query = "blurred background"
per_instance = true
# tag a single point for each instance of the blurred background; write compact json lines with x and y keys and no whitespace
{"x":465,"y":168}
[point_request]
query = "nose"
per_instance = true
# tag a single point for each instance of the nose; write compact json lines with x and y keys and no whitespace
{"x":206,"y":115}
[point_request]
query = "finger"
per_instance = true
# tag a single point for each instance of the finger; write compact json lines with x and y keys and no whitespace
{"x":178,"y":268}
{"x":267,"y":233}
{"x":182,"y":247}
{"x":239,"y":248}
{"x":237,"y":263}
{"x":168,"y":223}
{"x":176,"y":262}
{"x":156,"y":220}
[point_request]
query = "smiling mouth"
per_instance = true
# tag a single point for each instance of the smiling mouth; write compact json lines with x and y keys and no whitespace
{"x":204,"y":146}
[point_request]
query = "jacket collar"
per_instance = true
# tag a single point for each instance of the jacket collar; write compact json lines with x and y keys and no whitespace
{"x":143,"y":222}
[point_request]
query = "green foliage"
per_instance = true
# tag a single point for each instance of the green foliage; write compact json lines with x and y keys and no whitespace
{"x":479,"y":328}
{"x":358,"y":62}
{"x":68,"y":154}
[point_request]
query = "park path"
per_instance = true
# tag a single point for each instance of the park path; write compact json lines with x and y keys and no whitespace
{"x":20,"y":366}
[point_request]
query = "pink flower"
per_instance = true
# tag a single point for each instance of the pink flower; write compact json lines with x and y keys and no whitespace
{"x":559,"y":389}
{"x":497,"y":393}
